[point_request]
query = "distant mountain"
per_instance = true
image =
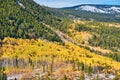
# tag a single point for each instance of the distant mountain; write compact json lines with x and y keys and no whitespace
{"x":104,"y":13}
{"x":107,"y":9}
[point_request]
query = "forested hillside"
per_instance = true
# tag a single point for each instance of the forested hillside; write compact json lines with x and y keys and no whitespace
{"x":100,"y":37}
{"x":50,"y":58}
{"x":21,"y":19}
{"x":103,"y":35}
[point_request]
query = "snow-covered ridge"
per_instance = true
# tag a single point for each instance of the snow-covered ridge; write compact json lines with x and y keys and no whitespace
{"x":90,"y":8}
{"x":117,"y":9}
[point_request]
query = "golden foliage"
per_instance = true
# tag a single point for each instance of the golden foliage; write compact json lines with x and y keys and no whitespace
{"x":43,"y":50}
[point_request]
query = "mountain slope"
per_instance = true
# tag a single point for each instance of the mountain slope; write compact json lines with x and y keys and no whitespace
{"x":97,"y":34}
{"x":51,"y":58}
{"x":46,"y":16}
{"x":20,"y":19}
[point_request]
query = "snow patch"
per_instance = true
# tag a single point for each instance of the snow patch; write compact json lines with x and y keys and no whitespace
{"x":110,"y":76}
{"x":21,"y":4}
